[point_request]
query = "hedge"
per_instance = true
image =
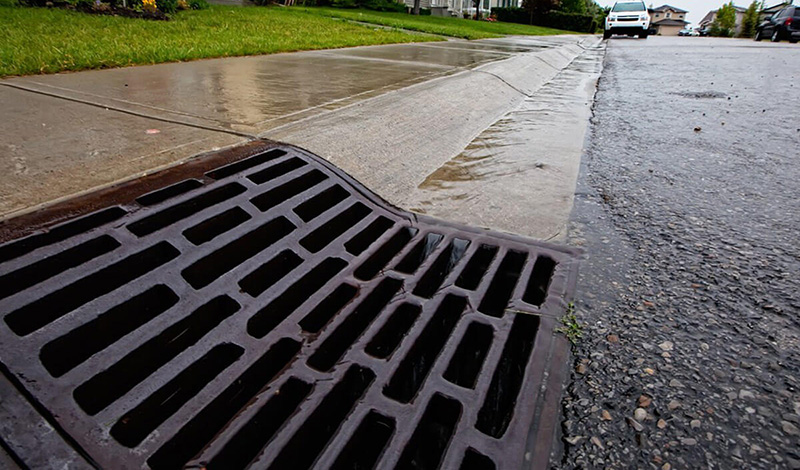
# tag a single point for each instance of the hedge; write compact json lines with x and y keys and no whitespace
{"x":552,"y":19}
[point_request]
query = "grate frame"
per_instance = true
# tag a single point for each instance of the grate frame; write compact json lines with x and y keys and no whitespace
{"x":529,"y":430}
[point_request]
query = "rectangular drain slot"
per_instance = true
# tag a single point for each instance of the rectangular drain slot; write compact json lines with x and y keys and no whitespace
{"x":23,"y":278}
{"x":414,"y":259}
{"x":251,"y":439}
{"x":495,"y":301}
{"x":246,"y":164}
{"x":366,"y":445}
{"x":320,"y":203}
{"x":467,"y":362}
{"x":68,"y":351}
{"x":60,"y":233}
{"x":391,"y":334}
{"x":378,"y":260}
{"x":539,"y":282}
{"x":110,"y":385}
{"x":414,"y":369}
{"x":328,"y":308}
{"x":431,"y":438}
{"x":135,"y":425}
{"x":365,"y":238}
{"x":335,"y":345}
{"x":501,"y":399}
{"x":210,"y":229}
{"x":266,"y":319}
{"x":474,"y":460}
{"x":51,"y":307}
{"x":432,"y":280}
{"x":476,"y":268}
{"x":314,"y":434}
{"x":269,"y":199}
{"x":334,"y":228}
{"x":161,"y":195}
{"x":201,"y":429}
{"x":182,"y":210}
{"x":276,"y":171}
{"x":265,"y":276}
{"x":210,"y":268}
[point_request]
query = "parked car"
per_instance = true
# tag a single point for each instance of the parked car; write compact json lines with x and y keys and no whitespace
{"x":688,"y":32}
{"x":629,"y":18}
{"x":784,"y":24}
{"x":704,"y":32}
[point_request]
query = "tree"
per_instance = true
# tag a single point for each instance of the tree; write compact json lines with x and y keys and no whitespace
{"x":725,"y":23}
{"x":751,"y":19}
{"x":573,"y":6}
{"x":477,"y":4}
{"x":415,"y":10}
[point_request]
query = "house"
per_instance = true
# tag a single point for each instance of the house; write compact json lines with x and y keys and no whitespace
{"x":459,"y":7}
{"x":712,"y":15}
{"x":667,"y":20}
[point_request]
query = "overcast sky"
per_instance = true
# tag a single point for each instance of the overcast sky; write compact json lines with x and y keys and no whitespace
{"x":697,"y":8}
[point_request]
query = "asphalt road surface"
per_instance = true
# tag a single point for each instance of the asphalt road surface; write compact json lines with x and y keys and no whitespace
{"x":687,"y":207}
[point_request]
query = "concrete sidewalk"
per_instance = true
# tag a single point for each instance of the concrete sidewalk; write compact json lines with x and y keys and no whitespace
{"x":388,"y":115}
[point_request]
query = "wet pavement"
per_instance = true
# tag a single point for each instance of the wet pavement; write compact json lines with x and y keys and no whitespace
{"x":519,"y":174}
{"x":687,"y":209}
{"x":74,"y":132}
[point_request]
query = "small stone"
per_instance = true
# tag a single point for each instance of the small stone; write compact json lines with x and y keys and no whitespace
{"x":790,"y":428}
{"x":573,"y":440}
{"x":581,"y":369}
{"x":639,"y":414}
{"x":674,"y":405}
{"x":750,"y":410}
{"x":695,"y":423}
{"x":637,"y":426}
{"x":698,"y":129}
{"x":649,"y":371}
{"x":666,"y":346}
{"x":644,"y":401}
{"x":605,"y":415}
{"x":649,"y":304}
{"x":613,"y":338}
{"x":709,"y":436}
{"x":746,"y":394}
{"x":666,"y":466}
{"x":688,"y":441}
{"x":597,"y":442}
{"x":675,"y":383}
{"x":661,"y":424}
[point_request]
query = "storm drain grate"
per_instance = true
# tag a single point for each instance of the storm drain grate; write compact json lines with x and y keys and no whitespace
{"x":273,"y":312}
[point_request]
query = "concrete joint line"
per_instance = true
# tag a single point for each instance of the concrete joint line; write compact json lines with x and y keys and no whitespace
{"x":132,"y":113}
{"x":504,"y":81}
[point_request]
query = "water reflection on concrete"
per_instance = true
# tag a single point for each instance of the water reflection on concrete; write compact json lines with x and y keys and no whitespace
{"x":519,"y":174}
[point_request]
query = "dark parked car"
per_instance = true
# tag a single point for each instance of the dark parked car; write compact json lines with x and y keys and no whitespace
{"x":782,"y":25}
{"x":704,"y":32}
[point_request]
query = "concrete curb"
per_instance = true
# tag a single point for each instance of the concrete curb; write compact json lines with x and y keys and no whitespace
{"x":433,"y":121}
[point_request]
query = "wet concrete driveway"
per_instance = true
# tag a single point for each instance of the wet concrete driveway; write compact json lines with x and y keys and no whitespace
{"x":70,"y":133}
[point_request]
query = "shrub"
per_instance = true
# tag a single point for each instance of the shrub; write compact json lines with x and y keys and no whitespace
{"x":377,"y":5}
{"x":552,"y":19}
{"x":198,"y":4}
{"x":167,"y":6}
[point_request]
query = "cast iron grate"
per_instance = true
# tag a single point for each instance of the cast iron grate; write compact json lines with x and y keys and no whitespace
{"x":273,"y":312}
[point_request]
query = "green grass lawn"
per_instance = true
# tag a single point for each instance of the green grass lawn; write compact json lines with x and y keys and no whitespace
{"x":456,"y":27}
{"x":40,"y":40}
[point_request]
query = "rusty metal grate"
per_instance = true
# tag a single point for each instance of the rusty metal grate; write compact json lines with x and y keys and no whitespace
{"x":273,"y":312}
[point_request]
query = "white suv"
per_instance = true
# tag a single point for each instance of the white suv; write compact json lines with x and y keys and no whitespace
{"x":627,"y":17}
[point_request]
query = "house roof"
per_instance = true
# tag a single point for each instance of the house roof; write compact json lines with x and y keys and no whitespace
{"x":776,"y":7}
{"x":671,"y":22}
{"x":669,"y":7}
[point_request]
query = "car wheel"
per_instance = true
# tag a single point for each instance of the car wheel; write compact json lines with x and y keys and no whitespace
{"x":758,"y":36}
{"x":606,"y":34}
{"x":643,"y":35}
{"x":776,"y":37}
{"x":793,"y":40}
